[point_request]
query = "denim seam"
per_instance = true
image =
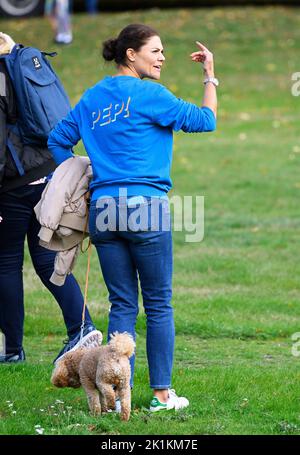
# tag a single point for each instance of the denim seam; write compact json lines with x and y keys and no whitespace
{"x":160,"y":386}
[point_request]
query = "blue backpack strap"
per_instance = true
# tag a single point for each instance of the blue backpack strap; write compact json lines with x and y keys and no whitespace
{"x":12,"y":150}
{"x":15,"y":49}
{"x":15,"y":157}
{"x":10,"y":58}
{"x":49,"y":54}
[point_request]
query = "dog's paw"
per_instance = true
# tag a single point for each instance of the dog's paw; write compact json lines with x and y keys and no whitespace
{"x":125,"y":415}
{"x":96,"y":411}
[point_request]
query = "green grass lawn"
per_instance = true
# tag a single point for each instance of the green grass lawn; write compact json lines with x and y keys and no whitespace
{"x":236,"y":294}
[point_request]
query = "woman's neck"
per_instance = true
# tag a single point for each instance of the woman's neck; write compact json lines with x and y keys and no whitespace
{"x":127,"y":71}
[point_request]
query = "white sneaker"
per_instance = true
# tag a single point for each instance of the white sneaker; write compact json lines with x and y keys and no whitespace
{"x":59,"y":38}
{"x":92,"y":338}
{"x":118,"y":406}
{"x":64,"y":38}
{"x":68,"y":38}
{"x":174,"y":402}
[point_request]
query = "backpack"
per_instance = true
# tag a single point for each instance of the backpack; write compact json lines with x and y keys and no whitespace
{"x":41,"y":99}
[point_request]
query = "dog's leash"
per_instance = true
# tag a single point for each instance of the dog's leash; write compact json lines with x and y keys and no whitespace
{"x":89,"y":250}
{"x":85,"y":290}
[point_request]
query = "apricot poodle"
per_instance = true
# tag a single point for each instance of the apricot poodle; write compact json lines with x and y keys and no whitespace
{"x":98,"y":370}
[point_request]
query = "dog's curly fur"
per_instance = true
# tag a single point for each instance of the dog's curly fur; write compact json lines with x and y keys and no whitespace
{"x":97,"y":370}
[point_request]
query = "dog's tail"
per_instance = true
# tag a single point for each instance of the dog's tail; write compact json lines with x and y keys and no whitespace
{"x":122,"y":343}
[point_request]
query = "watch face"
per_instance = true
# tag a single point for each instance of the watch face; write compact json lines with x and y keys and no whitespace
{"x":214,"y":81}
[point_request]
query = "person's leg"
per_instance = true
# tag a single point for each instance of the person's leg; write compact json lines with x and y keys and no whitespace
{"x":150,"y":242}
{"x":120,"y":277}
{"x":91,"y":6}
{"x":121,"y":281}
{"x":63,"y":17}
{"x":16,"y":215}
{"x":68,"y":296}
{"x":153,"y":256}
{"x":152,"y":253}
{"x":49,"y":11}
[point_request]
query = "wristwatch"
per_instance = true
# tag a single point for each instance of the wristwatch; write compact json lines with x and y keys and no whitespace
{"x":214,"y":80}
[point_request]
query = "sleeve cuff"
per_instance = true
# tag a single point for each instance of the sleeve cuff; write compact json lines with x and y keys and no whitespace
{"x":58,"y":280}
{"x":45,"y":234}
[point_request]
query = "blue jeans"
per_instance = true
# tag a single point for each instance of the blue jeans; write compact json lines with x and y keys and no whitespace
{"x":125,"y":256}
{"x":91,"y":6}
{"x":19,"y":221}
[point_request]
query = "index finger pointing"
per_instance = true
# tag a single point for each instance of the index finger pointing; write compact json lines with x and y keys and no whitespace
{"x":201,"y":46}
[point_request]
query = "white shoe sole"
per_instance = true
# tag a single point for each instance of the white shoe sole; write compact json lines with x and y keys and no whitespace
{"x":183,"y":405}
{"x":92,"y":340}
{"x":157,"y":409}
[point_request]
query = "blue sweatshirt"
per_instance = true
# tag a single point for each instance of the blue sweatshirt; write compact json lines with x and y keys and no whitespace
{"x":126,"y":125}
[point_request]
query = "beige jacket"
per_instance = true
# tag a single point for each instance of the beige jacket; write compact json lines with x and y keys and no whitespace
{"x":6,"y":44}
{"x":63,"y":214}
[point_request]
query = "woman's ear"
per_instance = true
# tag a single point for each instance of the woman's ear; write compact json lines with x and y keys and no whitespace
{"x":130,"y":54}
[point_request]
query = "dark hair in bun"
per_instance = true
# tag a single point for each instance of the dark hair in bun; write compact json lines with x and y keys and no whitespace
{"x":109,"y":49}
{"x":133,"y":36}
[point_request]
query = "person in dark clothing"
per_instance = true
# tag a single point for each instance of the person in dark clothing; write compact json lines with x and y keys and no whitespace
{"x":18,"y":197}
{"x":91,"y":6}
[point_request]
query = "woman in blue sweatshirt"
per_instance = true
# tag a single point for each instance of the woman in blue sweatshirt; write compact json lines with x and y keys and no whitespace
{"x":126,"y":125}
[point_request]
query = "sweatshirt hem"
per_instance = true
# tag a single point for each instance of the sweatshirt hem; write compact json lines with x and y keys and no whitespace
{"x":128,"y":189}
